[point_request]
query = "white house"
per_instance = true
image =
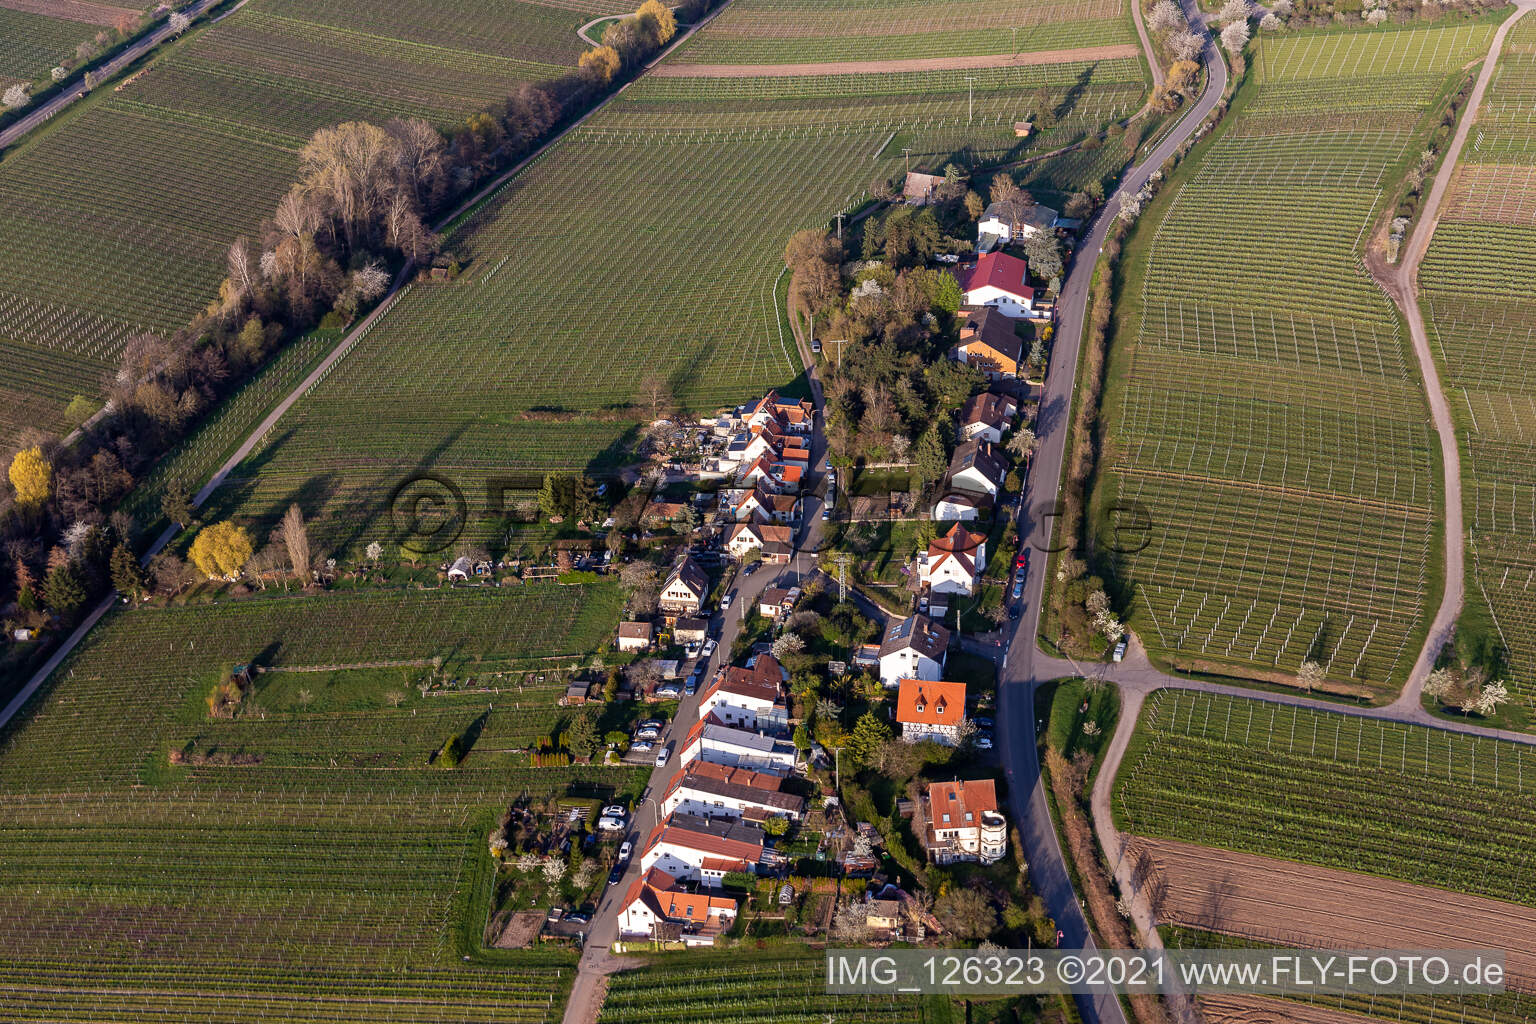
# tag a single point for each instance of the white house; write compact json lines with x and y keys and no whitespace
{"x":748,"y":698}
{"x":957,"y":506}
{"x":978,"y":468}
{"x":776,"y":543}
{"x":715,"y":790}
{"x":913,"y":648}
{"x":714,"y":741}
{"x":635,"y":636}
{"x":761,"y":506}
{"x":461,"y":569}
{"x":930,"y":711}
{"x":1003,"y":228}
{"x":1000,"y":281}
{"x":657,"y":906}
{"x":685,"y":589}
{"x":987,"y":417}
{"x":954,"y":562}
{"x":961,"y":823}
{"x":687,"y":846}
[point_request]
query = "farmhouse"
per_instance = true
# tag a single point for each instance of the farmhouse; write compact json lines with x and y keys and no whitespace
{"x":685,"y":589}
{"x":635,"y":636}
{"x":658,"y":907}
{"x":962,"y":823}
{"x":713,"y":741}
{"x":913,"y":648}
{"x":987,"y":417}
{"x":930,"y":711}
{"x":776,"y":543}
{"x":989,"y":343}
{"x":953,"y":562}
{"x":716,"y":790}
{"x":749,"y":697}
{"x":919,"y":189}
{"x":1000,"y":281}
{"x":687,"y":846}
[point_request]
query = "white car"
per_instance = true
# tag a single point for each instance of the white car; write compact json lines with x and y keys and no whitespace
{"x":642,"y":746}
{"x":709,"y":649}
{"x":625,"y":849}
{"x":663,"y":756}
{"x":647,"y":734}
{"x":607,"y":824}
{"x":983,"y":742}
{"x":614,"y":811}
{"x":725,"y":602}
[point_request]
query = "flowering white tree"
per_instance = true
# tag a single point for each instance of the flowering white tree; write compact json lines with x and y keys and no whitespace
{"x":16,"y":96}
{"x":498,"y":844}
{"x":1235,"y":36}
{"x":179,"y":22}
{"x":1270,"y":23}
{"x":1130,"y":208}
{"x":1487,"y":700}
{"x":1309,"y":675}
{"x":554,"y":869}
{"x":1104,"y":620}
{"x":787,"y":645}
{"x":1235,"y":10}
{"x":374,"y":551}
{"x":1166,"y":17}
{"x":370,"y":282}
{"x":58,"y":74}
{"x":1022,"y":442}
{"x":1187,"y":45}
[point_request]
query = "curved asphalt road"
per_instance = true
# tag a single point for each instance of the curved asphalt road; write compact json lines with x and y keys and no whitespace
{"x":1023,"y":665}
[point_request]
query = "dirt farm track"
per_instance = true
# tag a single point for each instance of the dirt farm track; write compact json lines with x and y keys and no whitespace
{"x":1288,"y":903}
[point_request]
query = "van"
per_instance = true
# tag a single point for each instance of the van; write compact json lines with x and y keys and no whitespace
{"x":1119,"y":654}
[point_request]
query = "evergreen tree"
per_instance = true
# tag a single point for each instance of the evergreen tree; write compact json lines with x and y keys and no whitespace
{"x":127,"y":576}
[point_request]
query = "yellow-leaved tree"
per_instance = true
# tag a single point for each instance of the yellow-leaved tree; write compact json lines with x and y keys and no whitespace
{"x":599,"y":64}
{"x":32,"y":476}
{"x":658,"y":17}
{"x":220,"y":551}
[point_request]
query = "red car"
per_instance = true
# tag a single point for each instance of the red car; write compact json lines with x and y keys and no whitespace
{"x":1021,"y":560}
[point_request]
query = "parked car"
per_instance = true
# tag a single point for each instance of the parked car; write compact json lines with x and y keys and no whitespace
{"x":709,"y":649}
{"x":616,"y":875}
{"x":1021,"y":560}
{"x":625,"y":849}
{"x":1120,"y":650}
{"x":691,"y":649}
{"x":615,"y":811}
{"x":1020,"y":574}
{"x":578,"y":918}
{"x":826,"y":510}
{"x":642,"y":746}
{"x":725,"y":602}
{"x":693,"y":681}
{"x":652,"y":723}
{"x":749,"y":569}
{"x":1013,"y":612}
{"x":982,"y":722}
{"x":607,"y":824}
{"x":1018,"y":589}
{"x":816,"y":347}
{"x":669,"y":691}
{"x":663,"y":756}
{"x":983,"y":742}
{"x":646,"y":732}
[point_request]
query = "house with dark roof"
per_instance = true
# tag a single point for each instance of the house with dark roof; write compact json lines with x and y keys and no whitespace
{"x":750,"y":696}
{"x":987,"y":417}
{"x":685,"y":589}
{"x":635,"y":636}
{"x":913,"y":648}
{"x":687,"y":846}
{"x":775,"y":542}
{"x":1000,"y":224}
{"x":989,"y":342}
{"x":975,"y":477}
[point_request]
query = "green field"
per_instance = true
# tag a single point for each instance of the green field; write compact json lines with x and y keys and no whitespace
{"x":117,"y":220}
{"x":1263,"y":407}
{"x":807,"y":31}
{"x":1479,"y":304}
{"x":337,"y":870}
{"x":777,"y":986}
{"x":1399,"y":801}
{"x":30,"y":43}
{"x":534,"y":358}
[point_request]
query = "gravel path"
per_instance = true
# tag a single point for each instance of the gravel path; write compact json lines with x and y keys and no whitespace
{"x":875,"y":67}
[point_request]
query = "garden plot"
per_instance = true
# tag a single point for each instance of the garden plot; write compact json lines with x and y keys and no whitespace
{"x":1479,"y":307}
{"x":1264,"y":410}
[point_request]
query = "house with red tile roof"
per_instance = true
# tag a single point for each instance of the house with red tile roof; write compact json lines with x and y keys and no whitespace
{"x":961,"y":822}
{"x":987,"y":417}
{"x":930,"y":711}
{"x":687,"y":846}
{"x":716,"y":790}
{"x":748,"y":696}
{"x":658,"y":906}
{"x":1000,"y":281}
{"x":777,"y":543}
{"x":954,"y":562}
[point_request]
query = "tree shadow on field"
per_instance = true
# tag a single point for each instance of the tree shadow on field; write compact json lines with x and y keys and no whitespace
{"x":1069,"y":102}
{"x":393,"y":497}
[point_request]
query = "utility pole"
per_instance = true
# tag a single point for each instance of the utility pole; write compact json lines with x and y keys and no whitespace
{"x":842,"y":577}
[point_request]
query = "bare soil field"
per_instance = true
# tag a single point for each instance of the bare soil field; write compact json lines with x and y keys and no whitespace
{"x":1232,"y":1008}
{"x":1297,"y":904}
{"x":875,"y":67}
{"x":73,"y":10}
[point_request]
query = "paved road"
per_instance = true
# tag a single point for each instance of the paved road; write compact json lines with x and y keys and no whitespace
{"x":344,"y":346}
{"x":1403,"y":287}
{"x":58,"y":101}
{"x":1023,"y":665}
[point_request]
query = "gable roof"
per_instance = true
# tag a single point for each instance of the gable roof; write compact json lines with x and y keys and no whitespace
{"x":916,"y":632}
{"x":761,"y":681}
{"x":1001,"y":271}
{"x":991,"y":327}
{"x":688,"y":573}
{"x":959,"y":799}
{"x":981,"y":456}
{"x":924,"y":703}
{"x":737,"y":783}
{"x":635,"y":630}
{"x":960,"y":544}
{"x":718,"y":837}
{"x":989,"y":408}
{"x":667,"y":899}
